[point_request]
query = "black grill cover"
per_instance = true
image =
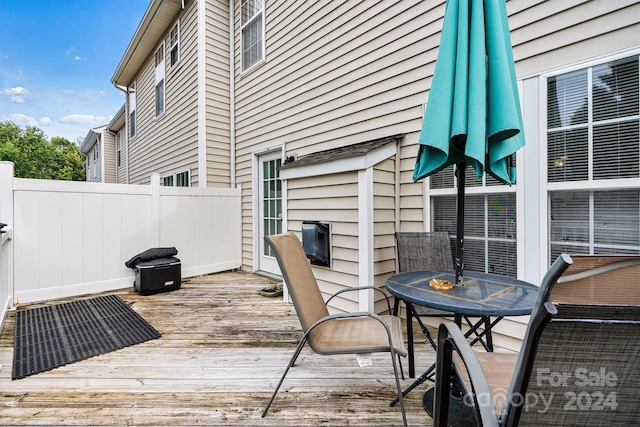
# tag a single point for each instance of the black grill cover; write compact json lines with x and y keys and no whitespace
{"x":150,"y":255}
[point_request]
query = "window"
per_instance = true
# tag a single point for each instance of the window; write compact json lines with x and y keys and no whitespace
{"x":132,"y":110}
{"x":118,"y":155}
{"x":252,"y":32}
{"x":271,"y":195}
{"x":489,"y":221}
{"x":593,"y":159}
{"x":159,"y":76}
{"x":174,"y":42}
{"x":177,"y":179}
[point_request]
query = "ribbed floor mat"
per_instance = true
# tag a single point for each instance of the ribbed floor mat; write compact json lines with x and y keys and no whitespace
{"x":49,"y":337}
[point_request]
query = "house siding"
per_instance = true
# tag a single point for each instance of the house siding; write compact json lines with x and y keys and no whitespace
{"x":342,"y":72}
{"x":168,"y":142}
{"x":336,"y":73}
{"x":121,"y":171}
{"x":109,"y":153}
{"x":551,"y":35}
{"x":218,"y":99}
{"x":332,"y":199}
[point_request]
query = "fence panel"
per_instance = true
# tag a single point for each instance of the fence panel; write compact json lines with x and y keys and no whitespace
{"x":72,"y":238}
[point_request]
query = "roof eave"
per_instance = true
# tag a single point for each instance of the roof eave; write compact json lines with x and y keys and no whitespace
{"x":159,"y":15}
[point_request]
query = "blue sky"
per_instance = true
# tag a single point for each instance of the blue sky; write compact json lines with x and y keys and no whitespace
{"x":57,"y":58}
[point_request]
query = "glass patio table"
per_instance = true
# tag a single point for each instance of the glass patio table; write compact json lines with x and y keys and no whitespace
{"x":480,"y":295}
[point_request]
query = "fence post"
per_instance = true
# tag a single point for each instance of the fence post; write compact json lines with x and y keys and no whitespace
{"x":155,"y":210}
{"x":6,"y":244}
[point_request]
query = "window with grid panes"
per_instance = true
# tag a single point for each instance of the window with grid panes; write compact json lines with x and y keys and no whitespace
{"x":252,"y":32}
{"x":272,"y":200}
{"x":593,"y":159}
{"x":159,"y":78}
{"x":174,"y":41}
{"x":178,"y":179}
{"x":489,"y":220}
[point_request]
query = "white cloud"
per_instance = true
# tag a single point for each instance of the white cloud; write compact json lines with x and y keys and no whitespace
{"x":96,"y":95}
{"x":16,"y":94}
{"x":85,"y":119}
{"x":78,"y":58}
{"x":22,"y":120}
{"x":46,"y":121}
{"x":68,"y":51}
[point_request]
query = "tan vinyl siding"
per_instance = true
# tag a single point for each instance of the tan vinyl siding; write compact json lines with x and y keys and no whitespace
{"x":109,"y":152}
{"x":336,"y":73}
{"x":550,"y":35}
{"x":332,"y":199}
{"x":168,"y":142}
{"x":94,"y":171}
{"x":121,"y":172}
{"x":384,"y":202}
{"x":217,"y":81}
{"x":343,"y":72}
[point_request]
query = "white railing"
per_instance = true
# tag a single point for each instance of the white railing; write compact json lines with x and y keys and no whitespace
{"x":73,"y":238}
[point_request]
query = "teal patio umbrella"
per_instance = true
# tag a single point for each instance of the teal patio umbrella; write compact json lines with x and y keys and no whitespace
{"x":473,"y":112}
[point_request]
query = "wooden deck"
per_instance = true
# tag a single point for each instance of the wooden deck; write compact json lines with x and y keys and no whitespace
{"x":223,"y":349}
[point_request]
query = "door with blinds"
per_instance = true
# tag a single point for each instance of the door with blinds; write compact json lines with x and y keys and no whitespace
{"x":270,"y":208}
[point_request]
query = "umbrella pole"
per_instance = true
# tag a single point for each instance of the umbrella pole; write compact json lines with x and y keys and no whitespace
{"x":460,"y":175}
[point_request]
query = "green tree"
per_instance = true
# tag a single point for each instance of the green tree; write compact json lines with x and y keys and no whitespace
{"x":36,"y":157}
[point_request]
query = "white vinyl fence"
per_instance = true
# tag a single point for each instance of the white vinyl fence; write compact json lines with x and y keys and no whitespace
{"x":73,"y":238}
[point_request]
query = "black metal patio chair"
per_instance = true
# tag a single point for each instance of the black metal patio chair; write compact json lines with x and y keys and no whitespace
{"x":579,"y":360}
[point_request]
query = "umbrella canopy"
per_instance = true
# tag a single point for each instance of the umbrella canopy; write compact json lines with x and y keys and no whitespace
{"x":473,"y":112}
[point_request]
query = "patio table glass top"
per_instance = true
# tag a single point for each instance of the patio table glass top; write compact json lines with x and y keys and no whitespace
{"x":479,"y":294}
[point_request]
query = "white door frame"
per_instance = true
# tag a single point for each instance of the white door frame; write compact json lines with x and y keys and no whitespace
{"x":265,"y":263}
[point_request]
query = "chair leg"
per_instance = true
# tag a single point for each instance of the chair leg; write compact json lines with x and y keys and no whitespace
{"x":284,"y":374}
{"x":400,"y":398}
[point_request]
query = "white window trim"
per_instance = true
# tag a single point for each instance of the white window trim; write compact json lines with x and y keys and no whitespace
{"x":175,"y":174}
{"x":160,"y":77}
{"x":242,"y":27}
{"x":132,"y":131}
{"x":119,"y":149}
{"x":547,"y":187}
{"x":171,"y":45}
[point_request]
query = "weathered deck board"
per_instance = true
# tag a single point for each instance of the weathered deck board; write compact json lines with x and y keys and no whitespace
{"x":222,"y":350}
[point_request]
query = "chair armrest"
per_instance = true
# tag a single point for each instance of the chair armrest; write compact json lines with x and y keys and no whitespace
{"x":358,"y":288}
{"x":450,"y":339}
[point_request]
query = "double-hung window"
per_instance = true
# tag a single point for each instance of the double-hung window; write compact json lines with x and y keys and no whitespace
{"x":118,"y":149}
{"x":252,"y":32}
{"x":132,"y":110}
{"x":159,"y":79}
{"x":593,"y":159}
{"x":174,"y":43}
{"x":489,"y":220}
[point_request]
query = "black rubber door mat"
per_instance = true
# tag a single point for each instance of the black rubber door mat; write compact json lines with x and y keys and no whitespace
{"x":56,"y":335}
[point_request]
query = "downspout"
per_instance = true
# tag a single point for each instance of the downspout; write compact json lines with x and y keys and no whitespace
{"x":232,"y":97}
{"x":202,"y":97}
{"x":101,"y":153}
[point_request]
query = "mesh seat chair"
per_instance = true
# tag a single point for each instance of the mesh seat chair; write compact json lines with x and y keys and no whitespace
{"x":347,"y":333}
{"x":579,"y":360}
{"x":424,"y":251}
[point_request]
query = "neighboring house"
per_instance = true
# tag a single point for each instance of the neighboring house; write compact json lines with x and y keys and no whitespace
{"x":220,"y":93}
{"x":99,"y":147}
{"x":117,"y":128}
